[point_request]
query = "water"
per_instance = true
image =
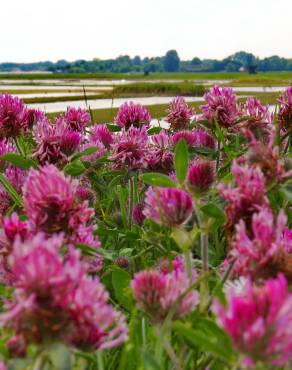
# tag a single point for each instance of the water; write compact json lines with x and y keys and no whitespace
{"x":53,"y":87}
{"x":104,"y":83}
{"x":53,"y":95}
{"x":159,"y":122}
{"x":69,"y":82}
{"x":106,"y":103}
{"x":259,"y":89}
{"x":107,"y":85}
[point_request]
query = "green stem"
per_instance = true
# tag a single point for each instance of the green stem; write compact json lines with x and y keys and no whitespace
{"x":188,"y":262}
{"x":85,"y":98}
{"x":99,"y":357}
{"x":131,"y":203}
{"x":204,"y":287}
{"x":204,"y":240}
{"x":222,"y":282}
{"x":171,"y":354}
{"x":158,"y":346}
{"x":144,"y":340}
{"x":218,"y":156}
{"x":287,"y":145}
{"x":19,"y":148}
{"x":204,"y":251}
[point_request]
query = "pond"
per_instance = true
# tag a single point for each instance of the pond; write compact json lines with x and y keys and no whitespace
{"x":106,"y":103}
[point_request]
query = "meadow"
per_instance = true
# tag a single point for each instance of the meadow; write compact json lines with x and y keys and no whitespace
{"x":154,"y":237}
{"x":262,"y":77}
{"x":38,"y":89}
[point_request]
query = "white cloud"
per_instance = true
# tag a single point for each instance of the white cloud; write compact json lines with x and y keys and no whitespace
{"x":32,"y":30}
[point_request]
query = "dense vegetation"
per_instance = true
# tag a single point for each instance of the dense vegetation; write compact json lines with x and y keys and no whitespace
{"x":130,"y":247}
{"x":168,"y":63}
{"x":159,"y":89}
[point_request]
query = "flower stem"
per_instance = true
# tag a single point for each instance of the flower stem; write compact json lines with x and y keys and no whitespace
{"x":19,"y":148}
{"x":218,"y":156}
{"x":204,"y":251}
{"x":99,"y":356}
{"x":188,"y":263}
{"x":204,"y":240}
{"x":171,"y":354}
{"x":131,"y":200}
{"x":204,"y":286}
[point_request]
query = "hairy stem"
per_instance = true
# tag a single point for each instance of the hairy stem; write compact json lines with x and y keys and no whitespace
{"x":171,"y":354}
{"x":131,"y":201}
{"x":204,"y":251}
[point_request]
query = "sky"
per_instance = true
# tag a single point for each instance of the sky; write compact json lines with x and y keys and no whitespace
{"x":38,"y":30}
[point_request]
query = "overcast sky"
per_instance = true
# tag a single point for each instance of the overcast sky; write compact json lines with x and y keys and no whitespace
{"x":34,"y":30}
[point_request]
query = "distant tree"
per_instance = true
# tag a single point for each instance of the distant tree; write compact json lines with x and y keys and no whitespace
{"x":273,"y":63}
{"x":196,"y":61}
{"x":137,"y":61}
{"x":171,"y":61}
{"x":289,"y":65}
{"x":61,"y":66}
{"x":247,"y":60}
{"x":213,"y":65}
{"x":149,"y":68}
{"x":232,"y":67}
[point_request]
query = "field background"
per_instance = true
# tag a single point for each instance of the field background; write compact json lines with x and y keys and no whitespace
{"x":101,"y":92}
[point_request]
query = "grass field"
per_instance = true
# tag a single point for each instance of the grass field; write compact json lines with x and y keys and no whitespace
{"x":39,"y":91}
{"x":159,"y":89}
{"x":259,"y":78}
{"x":53,"y":99}
{"x":159,"y":110}
{"x":171,"y":84}
{"x":107,"y":115}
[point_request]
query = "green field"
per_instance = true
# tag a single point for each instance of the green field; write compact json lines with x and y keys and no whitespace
{"x":157,"y":84}
{"x":107,"y":115}
{"x":159,"y":89}
{"x":159,"y":110}
{"x":259,"y":78}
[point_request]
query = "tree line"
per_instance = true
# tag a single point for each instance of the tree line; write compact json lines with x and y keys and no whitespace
{"x":170,"y":62}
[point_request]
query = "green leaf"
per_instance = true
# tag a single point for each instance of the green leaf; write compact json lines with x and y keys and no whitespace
{"x":105,"y":253}
{"x":87,"y":151}
{"x":60,"y":356}
{"x":126,"y":252}
{"x":86,"y":249}
{"x":3,"y":348}
{"x":205,"y":151}
{"x":286,"y":190}
{"x":19,"y":161}
{"x":182,"y":238}
{"x":158,"y":179}
{"x":121,"y":280}
{"x":10,"y":189}
{"x":181,"y":157}
{"x":219,"y":132}
{"x":212,"y":210}
{"x":221,"y":138}
{"x":154,"y":130}
{"x":122,"y":195}
{"x":19,"y":363}
{"x":116,"y":180}
{"x":113,"y":128}
{"x":207,"y":336}
{"x":150,"y":362}
{"x":21,"y":145}
{"x":74,"y":168}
